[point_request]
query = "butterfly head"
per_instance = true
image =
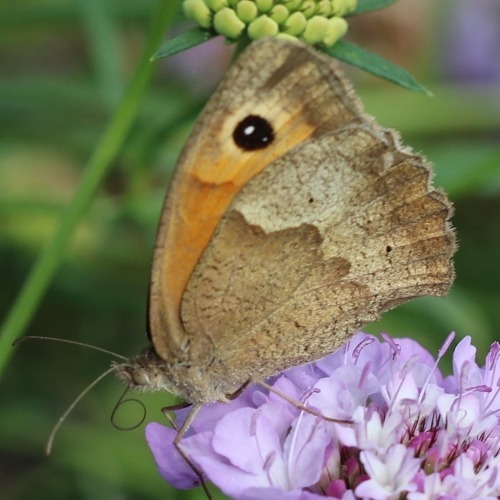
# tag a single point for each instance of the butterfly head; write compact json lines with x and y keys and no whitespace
{"x":148,"y":372}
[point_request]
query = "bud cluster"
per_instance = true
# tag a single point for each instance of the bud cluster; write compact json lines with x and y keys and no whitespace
{"x":312,"y":21}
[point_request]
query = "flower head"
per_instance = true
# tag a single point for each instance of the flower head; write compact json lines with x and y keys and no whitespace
{"x":414,"y":433}
{"x":312,"y":21}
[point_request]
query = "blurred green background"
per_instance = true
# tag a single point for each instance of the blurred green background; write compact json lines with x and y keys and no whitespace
{"x":64,"y":65}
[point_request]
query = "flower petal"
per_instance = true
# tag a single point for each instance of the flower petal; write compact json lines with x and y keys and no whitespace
{"x":171,"y":465}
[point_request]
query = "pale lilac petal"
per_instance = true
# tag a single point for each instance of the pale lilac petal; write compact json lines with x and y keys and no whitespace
{"x":305,"y":449}
{"x":231,"y":480}
{"x":372,"y":489}
{"x":370,"y":431}
{"x":338,"y":395}
{"x":428,"y":399}
{"x":400,"y":387}
{"x":171,"y":465}
{"x":247,"y":438}
{"x":305,"y":376}
{"x":390,"y":474}
{"x":278,"y":494}
{"x":286,"y":385}
{"x":464,"y":363}
{"x":409,"y":348}
{"x":432,"y":487}
{"x":360,"y":349}
{"x":491,"y":378}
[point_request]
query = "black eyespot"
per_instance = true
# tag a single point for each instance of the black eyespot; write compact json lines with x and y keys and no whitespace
{"x":388,"y":249}
{"x":253,"y":132}
{"x":311,"y":200}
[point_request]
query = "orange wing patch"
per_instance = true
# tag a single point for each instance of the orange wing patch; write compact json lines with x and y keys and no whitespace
{"x":201,"y":196}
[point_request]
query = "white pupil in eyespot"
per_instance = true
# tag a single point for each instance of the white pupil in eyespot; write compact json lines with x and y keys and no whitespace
{"x":249,"y":130}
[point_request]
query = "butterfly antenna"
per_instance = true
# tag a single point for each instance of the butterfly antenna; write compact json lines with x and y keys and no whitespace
{"x":50,"y":441}
{"x":67,"y":341}
{"x":121,"y":401}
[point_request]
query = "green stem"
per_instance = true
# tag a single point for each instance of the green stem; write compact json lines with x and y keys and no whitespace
{"x":241,"y":45}
{"x":100,"y":162}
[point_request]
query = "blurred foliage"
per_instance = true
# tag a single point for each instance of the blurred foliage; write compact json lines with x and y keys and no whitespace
{"x":65,"y":65}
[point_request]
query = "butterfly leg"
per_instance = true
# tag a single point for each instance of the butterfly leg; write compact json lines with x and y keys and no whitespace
{"x":238,"y":391}
{"x":180,"y":433}
{"x":298,"y":404}
{"x":166,"y":409}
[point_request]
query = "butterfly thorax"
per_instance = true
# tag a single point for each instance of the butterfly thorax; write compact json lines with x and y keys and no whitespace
{"x":148,"y":372}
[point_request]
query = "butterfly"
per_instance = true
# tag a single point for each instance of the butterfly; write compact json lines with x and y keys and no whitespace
{"x":292,"y":220}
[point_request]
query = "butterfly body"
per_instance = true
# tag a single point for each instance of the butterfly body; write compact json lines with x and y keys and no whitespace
{"x":293,"y":219}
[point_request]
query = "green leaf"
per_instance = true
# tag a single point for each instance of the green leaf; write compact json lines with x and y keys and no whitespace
{"x":182,"y":42}
{"x":374,"y":64}
{"x":369,"y":5}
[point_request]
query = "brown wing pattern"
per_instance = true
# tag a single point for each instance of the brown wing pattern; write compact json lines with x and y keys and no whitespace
{"x":294,"y":87}
{"x":318,"y":244}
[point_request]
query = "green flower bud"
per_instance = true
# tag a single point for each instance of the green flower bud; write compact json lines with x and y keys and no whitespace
{"x":316,"y":30}
{"x":308,"y":8}
{"x":343,"y":7}
{"x":227,"y":23}
{"x":292,"y":5}
{"x":198,"y":12}
{"x":313,"y":21}
{"x":337,"y":28}
{"x":279,"y":13}
{"x":264,"y":5}
{"x":286,"y":36}
{"x":295,"y":24}
{"x":247,"y":11}
{"x":216,"y":5}
{"x":324,"y":8}
{"x":262,"y":27}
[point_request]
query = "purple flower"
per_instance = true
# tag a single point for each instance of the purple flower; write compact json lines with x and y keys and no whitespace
{"x":414,"y":433}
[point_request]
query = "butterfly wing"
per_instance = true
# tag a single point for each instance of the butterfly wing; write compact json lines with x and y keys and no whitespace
{"x":301,"y":95}
{"x":319,"y":243}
